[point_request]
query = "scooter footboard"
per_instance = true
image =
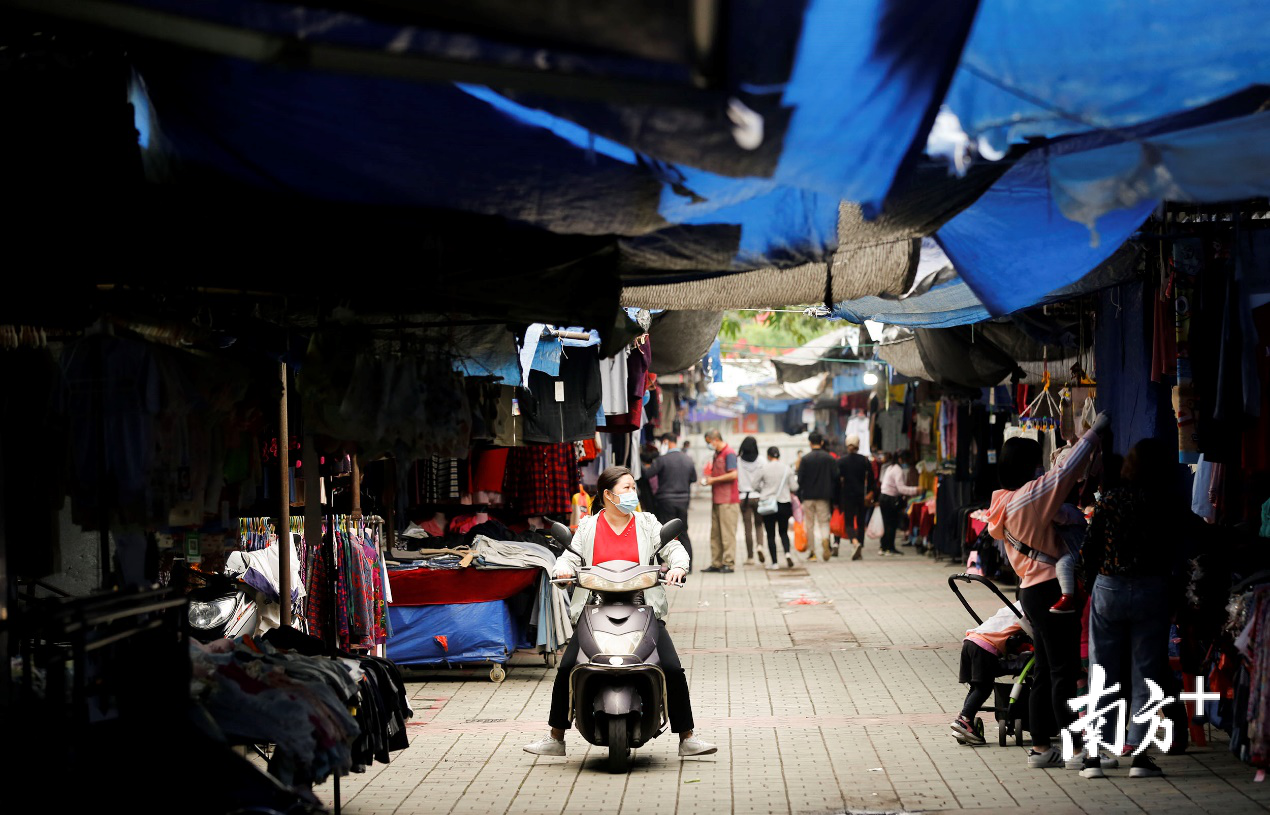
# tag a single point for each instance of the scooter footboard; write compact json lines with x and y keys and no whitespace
{"x":595,"y":694}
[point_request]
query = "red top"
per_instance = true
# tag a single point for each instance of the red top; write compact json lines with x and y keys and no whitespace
{"x":610,"y":545}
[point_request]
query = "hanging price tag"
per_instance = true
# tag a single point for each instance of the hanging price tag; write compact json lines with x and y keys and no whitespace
{"x":559,"y":391}
{"x":992,"y":418}
{"x":515,"y":407}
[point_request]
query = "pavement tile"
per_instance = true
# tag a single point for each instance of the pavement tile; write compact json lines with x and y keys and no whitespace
{"x":828,"y":708}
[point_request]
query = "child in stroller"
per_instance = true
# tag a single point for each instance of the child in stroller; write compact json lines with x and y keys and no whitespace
{"x":997,"y":647}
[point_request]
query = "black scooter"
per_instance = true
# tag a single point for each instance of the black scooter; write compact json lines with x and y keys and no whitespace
{"x":617,"y":689}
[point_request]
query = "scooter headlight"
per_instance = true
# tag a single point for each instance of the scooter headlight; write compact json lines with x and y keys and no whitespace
{"x":210,"y":615}
{"x":618,"y":643}
{"x":638,"y":583}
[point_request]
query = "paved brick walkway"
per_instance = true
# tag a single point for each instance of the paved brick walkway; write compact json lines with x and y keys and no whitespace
{"x":842,"y":706}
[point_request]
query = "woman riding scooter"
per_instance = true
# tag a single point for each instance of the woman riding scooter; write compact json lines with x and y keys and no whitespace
{"x":619,"y":532}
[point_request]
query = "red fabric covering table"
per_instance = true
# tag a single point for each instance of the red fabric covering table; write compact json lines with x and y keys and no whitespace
{"x":433,"y":587}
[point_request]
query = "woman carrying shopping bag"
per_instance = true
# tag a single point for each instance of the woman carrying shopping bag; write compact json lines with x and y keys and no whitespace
{"x":774,"y":485}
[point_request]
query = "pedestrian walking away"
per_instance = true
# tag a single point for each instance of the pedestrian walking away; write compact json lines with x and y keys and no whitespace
{"x":725,"y":506}
{"x":858,"y":488}
{"x":748,"y":465}
{"x":775,"y":484}
{"x":817,"y":489}
{"x":675,"y":474}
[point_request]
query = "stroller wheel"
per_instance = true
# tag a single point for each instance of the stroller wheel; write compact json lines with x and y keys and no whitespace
{"x":1003,"y":732}
{"x":1018,"y":732}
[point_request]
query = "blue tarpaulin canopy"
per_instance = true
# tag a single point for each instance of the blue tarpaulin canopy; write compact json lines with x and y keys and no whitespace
{"x":635,"y":148}
{"x":825,"y":103}
{"x":1053,"y":69}
{"x":1014,"y":246}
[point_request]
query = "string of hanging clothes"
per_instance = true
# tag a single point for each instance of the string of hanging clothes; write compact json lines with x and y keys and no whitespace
{"x":347,"y":583}
{"x":343,"y":574}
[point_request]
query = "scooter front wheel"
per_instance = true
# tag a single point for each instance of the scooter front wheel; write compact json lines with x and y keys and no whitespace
{"x":619,"y":746}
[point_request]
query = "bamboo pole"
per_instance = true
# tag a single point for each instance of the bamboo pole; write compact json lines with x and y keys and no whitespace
{"x":357,"y":490}
{"x":284,"y":517}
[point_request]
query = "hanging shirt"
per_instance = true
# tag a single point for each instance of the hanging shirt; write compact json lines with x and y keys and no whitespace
{"x":859,"y":426}
{"x":613,"y":375}
{"x":610,"y":545}
{"x":891,"y":423}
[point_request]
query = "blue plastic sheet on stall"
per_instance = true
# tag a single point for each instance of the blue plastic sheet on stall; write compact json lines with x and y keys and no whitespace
{"x":1013,"y":246}
{"x":953,"y":303}
{"x":1051,"y":69}
{"x":945,"y":304}
{"x":1222,"y":161}
{"x":713,"y":361}
{"x":845,"y":94}
{"x":472,"y":632}
{"x":765,"y":404}
{"x":849,"y":383}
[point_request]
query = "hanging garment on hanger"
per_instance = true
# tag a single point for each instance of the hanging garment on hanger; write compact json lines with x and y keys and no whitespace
{"x":858,"y":425}
{"x":613,"y":375}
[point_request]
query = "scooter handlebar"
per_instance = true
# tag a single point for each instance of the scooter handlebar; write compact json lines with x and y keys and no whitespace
{"x":661,"y":581}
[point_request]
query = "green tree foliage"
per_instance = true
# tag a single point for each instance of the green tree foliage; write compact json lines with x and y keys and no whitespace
{"x":770,"y":332}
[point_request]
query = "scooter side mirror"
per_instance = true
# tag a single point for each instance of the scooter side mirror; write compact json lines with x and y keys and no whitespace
{"x":671,"y":530}
{"x":564,"y":536}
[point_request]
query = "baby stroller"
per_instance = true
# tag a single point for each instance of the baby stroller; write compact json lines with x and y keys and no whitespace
{"x":1010,"y":697}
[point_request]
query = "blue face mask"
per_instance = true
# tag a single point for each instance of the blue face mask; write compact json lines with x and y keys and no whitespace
{"x":627,"y":502}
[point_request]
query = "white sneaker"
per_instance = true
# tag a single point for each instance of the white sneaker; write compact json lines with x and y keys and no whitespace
{"x":773,"y":567}
{"x":547,"y":746}
{"x":694,"y":747}
{"x":1048,"y":758}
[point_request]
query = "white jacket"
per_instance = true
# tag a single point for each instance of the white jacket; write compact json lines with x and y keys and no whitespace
{"x":648,"y":536}
{"x":768,"y":482}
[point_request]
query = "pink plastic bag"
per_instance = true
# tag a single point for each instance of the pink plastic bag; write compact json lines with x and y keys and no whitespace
{"x":797,"y":507}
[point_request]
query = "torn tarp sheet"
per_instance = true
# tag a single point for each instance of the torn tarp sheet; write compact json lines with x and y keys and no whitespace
{"x":1222,"y":161}
{"x":1013,"y":247}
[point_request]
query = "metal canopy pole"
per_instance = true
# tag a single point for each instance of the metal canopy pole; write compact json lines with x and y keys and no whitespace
{"x":284,"y":517}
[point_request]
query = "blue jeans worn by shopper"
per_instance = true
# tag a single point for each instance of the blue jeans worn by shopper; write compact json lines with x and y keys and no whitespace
{"x":1129,"y":618}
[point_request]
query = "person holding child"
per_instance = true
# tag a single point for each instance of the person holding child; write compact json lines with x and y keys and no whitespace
{"x":1022,"y":514}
